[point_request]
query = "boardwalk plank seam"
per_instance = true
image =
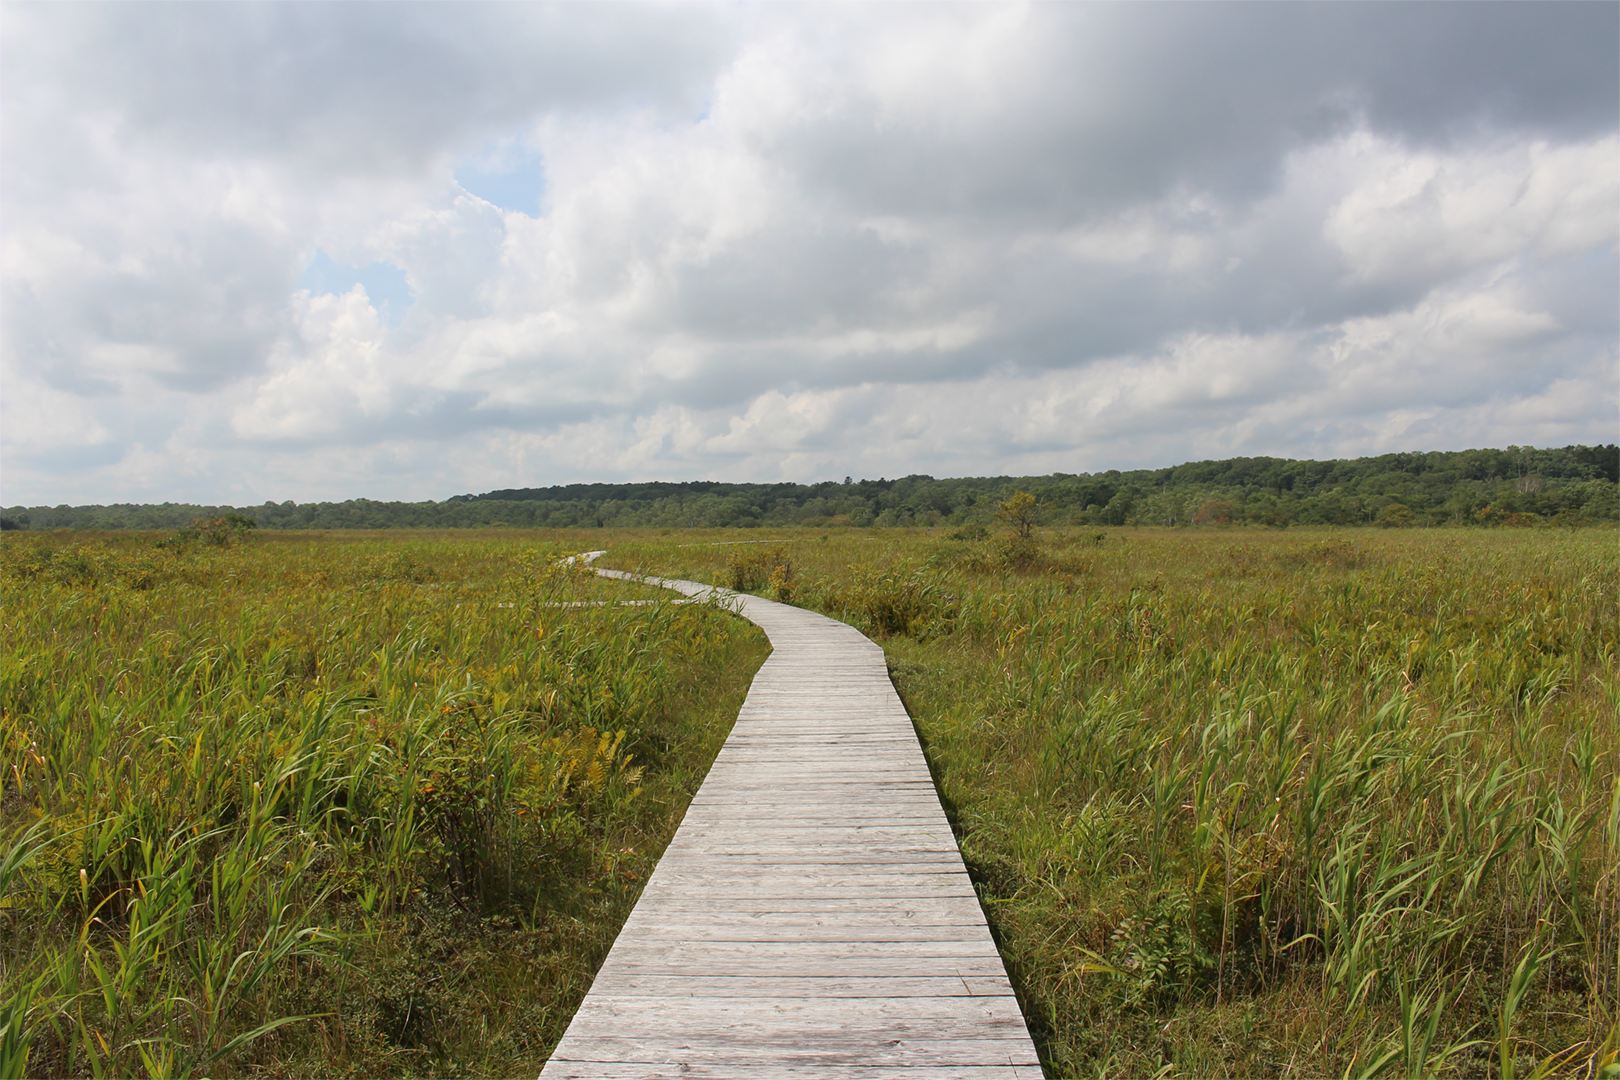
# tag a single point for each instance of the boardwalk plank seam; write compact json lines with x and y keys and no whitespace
{"x":812,"y":916}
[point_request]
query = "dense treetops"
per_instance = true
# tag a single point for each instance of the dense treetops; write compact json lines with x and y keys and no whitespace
{"x":1521,"y":485}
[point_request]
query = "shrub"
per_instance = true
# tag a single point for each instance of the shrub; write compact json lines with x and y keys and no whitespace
{"x":751,"y":571}
{"x":222,"y":531}
{"x":782,"y":581}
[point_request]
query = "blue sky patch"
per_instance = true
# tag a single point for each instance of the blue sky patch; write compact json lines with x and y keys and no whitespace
{"x":511,"y":184}
{"x":385,"y":284}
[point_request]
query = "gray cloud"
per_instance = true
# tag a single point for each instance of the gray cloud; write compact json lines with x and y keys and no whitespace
{"x":1112,"y":105}
{"x":355,"y":88}
{"x":794,"y":241}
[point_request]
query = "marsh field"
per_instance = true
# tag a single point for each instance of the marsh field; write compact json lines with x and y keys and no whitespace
{"x":1237,"y":802}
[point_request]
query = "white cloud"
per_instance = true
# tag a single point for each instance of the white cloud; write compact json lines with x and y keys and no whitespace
{"x":47,"y":420}
{"x":777,"y":245}
{"x":334,"y":375}
{"x":1420,"y":214}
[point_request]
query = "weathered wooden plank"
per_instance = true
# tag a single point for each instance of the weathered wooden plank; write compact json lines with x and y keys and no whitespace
{"x":693,"y":963}
{"x":724,"y":856}
{"x":768,"y":808}
{"x":832,"y":838}
{"x":735,"y":855}
{"x":812,"y":916}
{"x":831,"y":788}
{"x":815,"y":1014}
{"x":805,"y":1050}
{"x":596,"y":1070}
{"x":720,"y":843}
{"x":847,"y":893}
{"x":849,"y":796}
{"x":933,"y":833}
{"x":809,"y":873}
{"x":820,"y":829}
{"x":854,"y":808}
{"x":685,"y":927}
{"x":753,"y":863}
{"x":889,"y":753}
{"x":718,"y":868}
{"x":962,"y":912}
{"x":833,"y":792}
{"x":893,"y":885}
{"x":786,"y":757}
{"x":781,"y":762}
{"x":784,"y":804}
{"x":806,"y":932}
{"x":812,"y":908}
{"x":820,"y":765}
{"x":734,"y":815}
{"x":727,"y":955}
{"x":825,"y":1038}
{"x":717,"y":987}
{"x":857,"y":918}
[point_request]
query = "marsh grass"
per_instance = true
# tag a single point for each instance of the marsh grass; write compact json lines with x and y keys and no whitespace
{"x":340,"y":805}
{"x":1265,"y":804}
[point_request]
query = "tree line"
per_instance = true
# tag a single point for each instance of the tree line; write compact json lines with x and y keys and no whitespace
{"x":1520,"y":485}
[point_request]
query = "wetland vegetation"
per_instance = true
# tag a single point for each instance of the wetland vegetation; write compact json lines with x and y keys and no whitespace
{"x":1263,"y":803}
{"x":1237,"y":802}
{"x":330,"y":805}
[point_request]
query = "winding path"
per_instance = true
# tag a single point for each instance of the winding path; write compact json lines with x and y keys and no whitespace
{"x":812,"y":916}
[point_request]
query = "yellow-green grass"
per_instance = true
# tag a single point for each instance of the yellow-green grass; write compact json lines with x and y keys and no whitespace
{"x":403,"y":786}
{"x":1247,"y":803}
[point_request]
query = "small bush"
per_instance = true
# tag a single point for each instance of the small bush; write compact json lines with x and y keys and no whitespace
{"x":1018,"y":552}
{"x":224,"y":530}
{"x":782,"y":582}
{"x":752,"y":571}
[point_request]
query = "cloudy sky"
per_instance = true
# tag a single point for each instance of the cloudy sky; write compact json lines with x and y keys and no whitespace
{"x":308,"y":252}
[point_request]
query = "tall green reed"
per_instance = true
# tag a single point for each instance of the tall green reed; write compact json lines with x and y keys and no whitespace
{"x":1330,"y":788}
{"x":238,"y":779}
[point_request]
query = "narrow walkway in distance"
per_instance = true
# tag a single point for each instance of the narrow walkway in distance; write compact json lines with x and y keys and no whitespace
{"x":812,"y":916}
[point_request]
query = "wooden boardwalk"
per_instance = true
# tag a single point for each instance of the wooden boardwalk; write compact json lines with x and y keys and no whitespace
{"x":812,"y":916}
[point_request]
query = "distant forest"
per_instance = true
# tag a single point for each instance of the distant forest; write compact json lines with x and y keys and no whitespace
{"x":1521,"y":485}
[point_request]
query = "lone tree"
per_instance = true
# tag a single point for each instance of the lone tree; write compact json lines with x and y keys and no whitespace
{"x":1019,"y":513}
